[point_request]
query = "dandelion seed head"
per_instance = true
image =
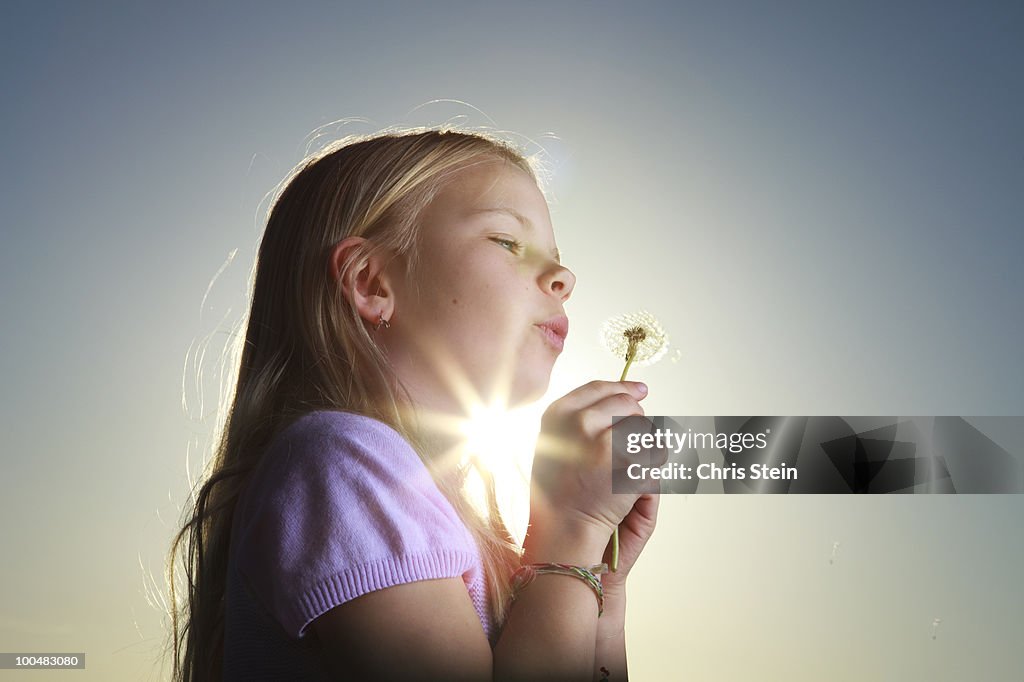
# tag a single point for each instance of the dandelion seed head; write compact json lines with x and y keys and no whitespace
{"x":641,"y":330}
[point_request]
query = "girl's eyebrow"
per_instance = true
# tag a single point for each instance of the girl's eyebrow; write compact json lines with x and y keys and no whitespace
{"x":523,"y":220}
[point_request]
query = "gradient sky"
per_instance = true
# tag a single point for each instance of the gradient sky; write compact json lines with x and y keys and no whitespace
{"x":820,"y":201}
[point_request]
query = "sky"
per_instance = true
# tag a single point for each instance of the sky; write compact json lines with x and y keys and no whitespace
{"x":821,"y":202}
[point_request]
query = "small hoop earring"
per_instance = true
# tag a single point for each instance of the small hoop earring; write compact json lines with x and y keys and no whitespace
{"x":381,"y":321}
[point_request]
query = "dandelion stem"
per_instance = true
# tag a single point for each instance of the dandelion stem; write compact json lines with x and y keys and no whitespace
{"x":615,"y":550}
{"x":629,"y":361}
{"x":635,"y":336}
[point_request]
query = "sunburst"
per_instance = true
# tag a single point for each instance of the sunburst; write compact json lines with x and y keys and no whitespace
{"x":483,"y":436}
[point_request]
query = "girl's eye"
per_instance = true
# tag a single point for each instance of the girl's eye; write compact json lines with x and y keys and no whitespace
{"x":510,"y":244}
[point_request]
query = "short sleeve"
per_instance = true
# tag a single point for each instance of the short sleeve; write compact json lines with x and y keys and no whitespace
{"x":340,"y":506}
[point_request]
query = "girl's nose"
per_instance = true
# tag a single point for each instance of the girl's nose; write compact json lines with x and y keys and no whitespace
{"x":559,"y":280}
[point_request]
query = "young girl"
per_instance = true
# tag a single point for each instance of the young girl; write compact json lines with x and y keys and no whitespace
{"x":399,"y":275}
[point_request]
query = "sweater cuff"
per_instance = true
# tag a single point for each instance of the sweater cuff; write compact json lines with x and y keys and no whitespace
{"x":375,"y":575}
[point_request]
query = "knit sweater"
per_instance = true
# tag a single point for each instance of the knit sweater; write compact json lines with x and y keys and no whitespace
{"x":339,"y":506}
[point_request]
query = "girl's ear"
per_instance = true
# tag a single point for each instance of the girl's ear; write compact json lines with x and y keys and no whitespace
{"x":362,"y":278}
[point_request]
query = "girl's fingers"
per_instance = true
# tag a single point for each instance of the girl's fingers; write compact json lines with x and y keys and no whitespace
{"x":591,"y":393}
{"x":598,"y":417}
{"x":647,"y":505}
{"x":643,"y":517}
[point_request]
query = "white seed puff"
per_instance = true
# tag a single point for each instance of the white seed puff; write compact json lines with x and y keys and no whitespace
{"x":644,"y":328}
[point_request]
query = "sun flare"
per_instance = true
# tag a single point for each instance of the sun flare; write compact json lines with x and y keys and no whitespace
{"x":500,"y":441}
{"x":491,"y":438}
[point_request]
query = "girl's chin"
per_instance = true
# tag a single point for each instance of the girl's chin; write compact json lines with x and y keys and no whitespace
{"x":529,"y":385}
{"x":529,"y":393}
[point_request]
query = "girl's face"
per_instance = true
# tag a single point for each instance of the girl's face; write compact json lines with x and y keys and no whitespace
{"x":469,"y":323}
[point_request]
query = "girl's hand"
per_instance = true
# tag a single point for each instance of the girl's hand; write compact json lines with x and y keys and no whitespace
{"x":634,"y":532}
{"x":571,"y":481}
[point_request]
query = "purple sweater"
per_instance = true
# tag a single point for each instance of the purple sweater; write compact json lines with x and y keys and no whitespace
{"x":339,"y":506}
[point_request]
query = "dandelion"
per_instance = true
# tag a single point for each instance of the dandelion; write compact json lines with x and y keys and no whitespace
{"x":639,"y":340}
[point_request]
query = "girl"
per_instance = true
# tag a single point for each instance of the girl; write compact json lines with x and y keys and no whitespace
{"x":334,"y":538}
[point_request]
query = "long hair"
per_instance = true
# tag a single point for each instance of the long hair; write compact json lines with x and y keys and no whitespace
{"x":306,"y":348}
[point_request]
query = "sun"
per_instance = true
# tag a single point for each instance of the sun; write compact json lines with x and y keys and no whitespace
{"x":501,"y":441}
{"x":485,"y":434}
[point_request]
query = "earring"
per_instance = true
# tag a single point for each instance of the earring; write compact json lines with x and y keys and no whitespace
{"x":381,"y":321}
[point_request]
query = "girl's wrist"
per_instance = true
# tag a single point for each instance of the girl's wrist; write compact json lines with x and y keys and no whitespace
{"x":613,"y":588}
{"x":564,"y":544}
{"x":613,"y":623}
{"x":615,"y":583}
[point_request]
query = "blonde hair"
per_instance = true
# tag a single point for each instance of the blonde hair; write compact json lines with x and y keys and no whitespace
{"x":306,"y":348}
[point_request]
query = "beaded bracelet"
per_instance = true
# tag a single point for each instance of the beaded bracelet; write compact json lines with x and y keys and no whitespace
{"x":524,"y":575}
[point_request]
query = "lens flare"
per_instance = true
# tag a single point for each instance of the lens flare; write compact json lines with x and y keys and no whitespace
{"x":499,"y":442}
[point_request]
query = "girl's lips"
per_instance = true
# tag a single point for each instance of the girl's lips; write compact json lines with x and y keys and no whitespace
{"x":556,"y":341}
